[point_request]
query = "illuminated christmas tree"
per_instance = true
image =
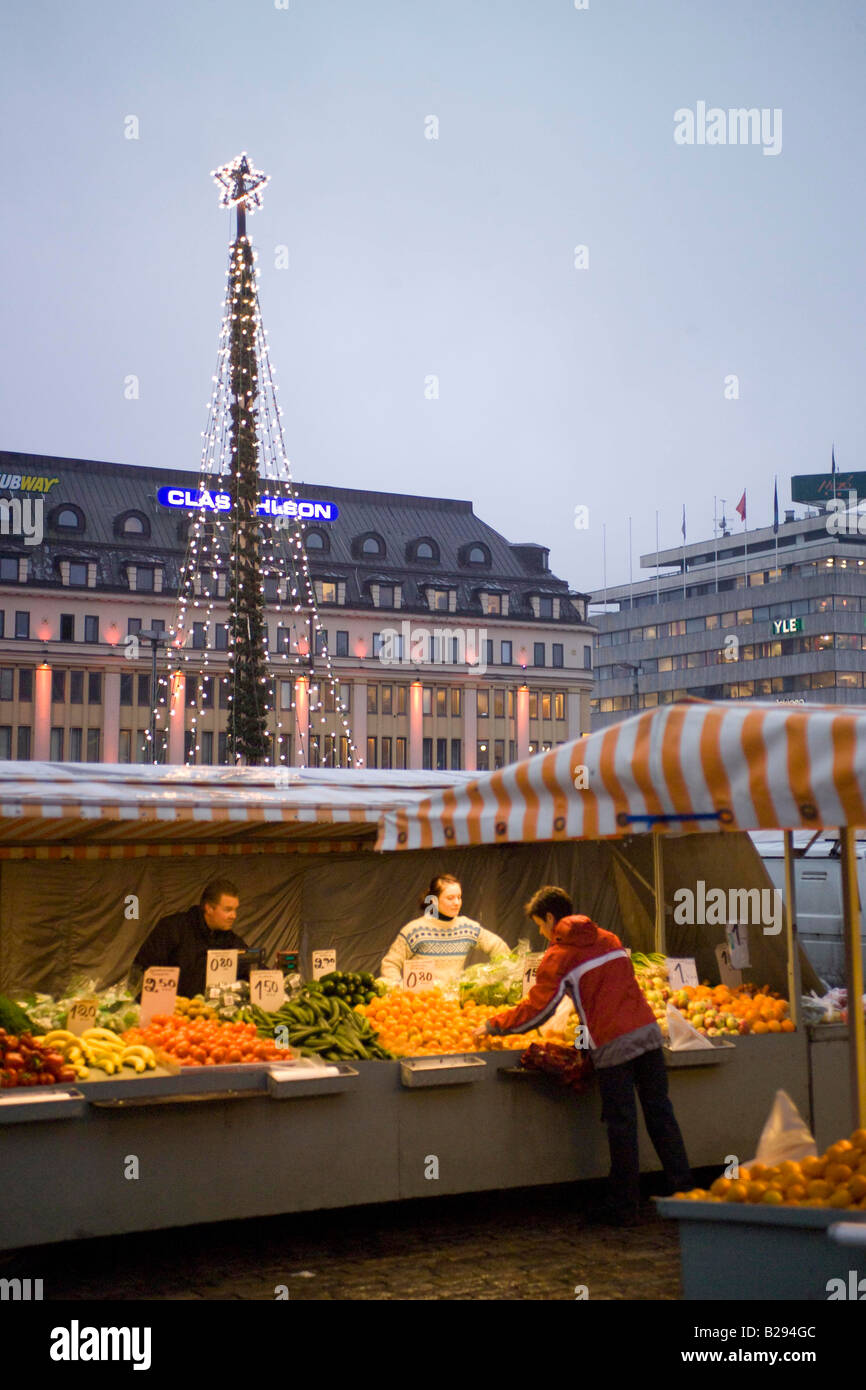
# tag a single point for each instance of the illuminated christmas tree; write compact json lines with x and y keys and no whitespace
{"x":246,"y":546}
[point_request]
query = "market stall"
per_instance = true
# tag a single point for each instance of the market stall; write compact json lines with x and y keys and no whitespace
{"x":89,"y":857}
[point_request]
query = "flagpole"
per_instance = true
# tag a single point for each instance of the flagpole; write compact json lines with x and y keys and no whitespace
{"x":604,"y":561}
{"x":630,"y":581}
{"x":684,"y":550}
{"x":776,"y":519}
{"x":657,"y":555}
{"x":745,"y":539}
{"x":716,"y":539}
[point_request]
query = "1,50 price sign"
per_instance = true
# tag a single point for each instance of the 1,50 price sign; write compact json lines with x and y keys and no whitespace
{"x":267,"y":989}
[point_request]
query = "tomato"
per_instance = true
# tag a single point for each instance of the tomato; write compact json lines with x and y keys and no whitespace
{"x":220,"y":1054}
{"x":234,"y":1055}
{"x":66,"y":1074}
{"x":181,"y":1050}
{"x":14,"y":1061}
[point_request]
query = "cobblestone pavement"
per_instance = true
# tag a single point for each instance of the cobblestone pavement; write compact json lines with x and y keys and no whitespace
{"x":533,"y":1243}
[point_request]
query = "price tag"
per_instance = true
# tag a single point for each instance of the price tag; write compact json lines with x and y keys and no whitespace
{"x":323,"y":963}
{"x":82,"y":1015}
{"x":222,"y":967}
{"x":682,"y":970}
{"x":158,"y":991}
{"x":727,"y":974}
{"x":267,"y":989}
{"x":530,"y":971}
{"x":737,"y":937}
{"x":417,"y":976}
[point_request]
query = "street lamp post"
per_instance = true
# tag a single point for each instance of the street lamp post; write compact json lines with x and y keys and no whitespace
{"x":156,"y":639}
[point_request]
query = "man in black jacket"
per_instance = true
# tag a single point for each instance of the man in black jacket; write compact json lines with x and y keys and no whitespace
{"x":184,"y":938}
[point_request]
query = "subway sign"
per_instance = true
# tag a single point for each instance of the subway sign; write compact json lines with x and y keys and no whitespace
{"x":786,"y":627}
{"x":205,"y":500}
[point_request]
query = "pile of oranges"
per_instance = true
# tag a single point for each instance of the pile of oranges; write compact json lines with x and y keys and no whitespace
{"x":412,"y":1024}
{"x":761,"y":1012}
{"x":836,"y":1179}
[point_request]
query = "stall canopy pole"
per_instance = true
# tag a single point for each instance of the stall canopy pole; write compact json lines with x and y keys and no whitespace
{"x":792,"y":945}
{"x":659,"y":890}
{"x":854,"y":976}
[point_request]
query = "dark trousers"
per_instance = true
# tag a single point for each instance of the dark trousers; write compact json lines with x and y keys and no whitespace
{"x":646,"y":1074}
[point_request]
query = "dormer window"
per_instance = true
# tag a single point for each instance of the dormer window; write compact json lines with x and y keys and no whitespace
{"x":68,"y":519}
{"x":545,"y":606}
{"x":132,"y":524}
{"x":474,"y":554}
{"x":424,"y":549}
{"x":315,"y":540}
{"x":371,"y":545}
{"x":438,"y":600}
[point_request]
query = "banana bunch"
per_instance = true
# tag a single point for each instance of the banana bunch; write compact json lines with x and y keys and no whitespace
{"x":99,"y":1047}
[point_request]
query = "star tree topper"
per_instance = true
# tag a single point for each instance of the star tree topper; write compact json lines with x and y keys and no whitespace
{"x":241,"y":184}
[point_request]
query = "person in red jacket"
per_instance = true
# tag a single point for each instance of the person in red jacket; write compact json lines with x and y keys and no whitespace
{"x":618,"y":1026}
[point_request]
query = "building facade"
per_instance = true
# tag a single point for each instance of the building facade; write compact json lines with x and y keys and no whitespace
{"x":453,"y":648}
{"x":770,"y":615}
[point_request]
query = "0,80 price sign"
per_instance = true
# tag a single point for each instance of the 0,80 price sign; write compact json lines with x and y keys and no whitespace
{"x":267,"y":989}
{"x":222,"y":967}
{"x":417,"y":976}
{"x":323,"y":963}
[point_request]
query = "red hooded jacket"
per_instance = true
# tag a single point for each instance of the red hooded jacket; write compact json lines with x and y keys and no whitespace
{"x":595,"y":969}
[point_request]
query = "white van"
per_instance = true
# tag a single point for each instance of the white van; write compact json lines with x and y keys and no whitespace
{"x":818,"y":886}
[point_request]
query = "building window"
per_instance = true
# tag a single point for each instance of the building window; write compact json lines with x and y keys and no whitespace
{"x":387,"y":699}
{"x":56,"y":753}
{"x":286,"y":695}
{"x":386,"y":596}
{"x":456,"y":754}
{"x":427,"y":699}
{"x":133,"y":526}
{"x":321,"y":641}
{"x":400,"y":753}
{"x":545,"y":607}
{"x":25,"y":684}
{"x":78,"y":578}
{"x":9,"y":569}
{"x":126,"y":687}
{"x":401,"y":699}
{"x":329,"y":591}
{"x":345,"y":689}
{"x":221,"y":633}
{"x":7,"y":683}
{"x":456,"y":700}
{"x":441,"y":755}
{"x":371,"y":752}
{"x":498,"y":753}
{"x":385,"y":753}
{"x":91,"y":628}
{"x":58,"y":687}
{"x":67,"y":627}
{"x":533,"y":704}
{"x":207,"y":693}
{"x":538,"y":654}
{"x":505,"y":653}
{"x":198,"y":636}
{"x":557,"y":654}
{"x":424,"y":551}
{"x":75,"y":745}
{"x":207,"y":747}
{"x":427,"y":754}
{"x":342,"y":643}
{"x":372,"y":699}
{"x":272,"y":588}
{"x":189,"y":746}
{"x":124,"y":746}
{"x":222,"y":749}
{"x":23,"y":749}
{"x":483,"y":703}
{"x":559,"y":705}
{"x":94,"y":688}
{"x":437,"y":600}
{"x":191,"y":692}
{"x":488,"y":651}
{"x":482,"y":757}
{"x":144,"y":689}
{"x":144,"y":578}
{"x":5,"y":742}
{"x":314,"y":540}
{"x":441,"y":701}
{"x":587,"y":658}
{"x":224,"y":698}
{"x":371,"y":545}
{"x":133,"y":626}
{"x":499,"y":704}
{"x":76,"y":687}
{"x":494,"y":603}
{"x":477,"y":555}
{"x":545,"y":705}
{"x":377,"y":644}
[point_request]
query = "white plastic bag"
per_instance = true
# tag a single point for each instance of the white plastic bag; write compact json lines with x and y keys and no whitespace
{"x":784,"y":1136}
{"x":682,"y":1037}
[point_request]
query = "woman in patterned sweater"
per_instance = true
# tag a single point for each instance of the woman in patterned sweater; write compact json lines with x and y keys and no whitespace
{"x":441,"y":938}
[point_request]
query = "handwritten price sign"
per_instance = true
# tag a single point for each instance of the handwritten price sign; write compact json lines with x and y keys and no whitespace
{"x":737,"y":936}
{"x":323,"y":963}
{"x":682,"y":970}
{"x":417,"y":976}
{"x":222,"y":967}
{"x":158,"y":991}
{"x":530,"y":971}
{"x":267,"y":989}
{"x":82,"y":1015}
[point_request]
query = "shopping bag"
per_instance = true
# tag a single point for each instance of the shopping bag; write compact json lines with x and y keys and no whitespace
{"x":682,"y":1037}
{"x":785,"y":1135}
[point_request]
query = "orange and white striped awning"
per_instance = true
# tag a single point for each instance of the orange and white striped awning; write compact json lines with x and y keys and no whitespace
{"x":72,"y":806}
{"x":683,"y":768}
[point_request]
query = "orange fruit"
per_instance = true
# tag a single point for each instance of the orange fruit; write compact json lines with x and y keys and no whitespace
{"x":857,"y":1186}
{"x":720,"y":1186}
{"x":818,"y":1188}
{"x":836,"y":1152}
{"x":788,"y":1025}
{"x":756,"y":1191}
{"x":795,"y":1192}
{"x":736,"y":1192}
{"x":858,"y":1139}
{"x":837,"y":1173}
{"x":813,"y":1167}
{"x":789,"y":1169}
{"x":758,"y":1172}
{"x":760,"y":1028}
{"x":840,"y":1198}
{"x":772,"y":1197}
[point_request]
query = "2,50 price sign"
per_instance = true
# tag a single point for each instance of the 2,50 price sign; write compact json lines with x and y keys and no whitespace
{"x":158,"y":991}
{"x":267,"y":989}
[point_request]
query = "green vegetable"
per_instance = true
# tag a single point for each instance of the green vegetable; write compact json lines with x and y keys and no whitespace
{"x":15,"y":1020}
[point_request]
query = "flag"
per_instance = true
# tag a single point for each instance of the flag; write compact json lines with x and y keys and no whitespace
{"x":684,"y":523}
{"x":833,"y":459}
{"x":775,"y":506}
{"x":741,"y":508}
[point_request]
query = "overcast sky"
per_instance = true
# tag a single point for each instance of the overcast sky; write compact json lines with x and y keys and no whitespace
{"x":453,"y":257}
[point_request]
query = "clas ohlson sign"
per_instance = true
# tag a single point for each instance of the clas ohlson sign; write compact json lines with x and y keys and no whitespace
{"x":205,"y":500}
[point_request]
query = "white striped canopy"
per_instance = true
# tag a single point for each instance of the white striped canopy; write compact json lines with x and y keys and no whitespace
{"x":78,"y":804}
{"x":683,"y":768}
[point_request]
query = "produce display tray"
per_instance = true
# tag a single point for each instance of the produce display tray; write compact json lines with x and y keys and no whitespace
{"x":32,"y":1103}
{"x":755,"y":1253}
{"x":299,"y":1086}
{"x":721,"y":1051}
{"x":231,"y":1079}
{"x":446,"y":1070}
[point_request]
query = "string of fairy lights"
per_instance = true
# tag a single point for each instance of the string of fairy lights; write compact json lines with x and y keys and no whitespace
{"x":203,"y":623}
